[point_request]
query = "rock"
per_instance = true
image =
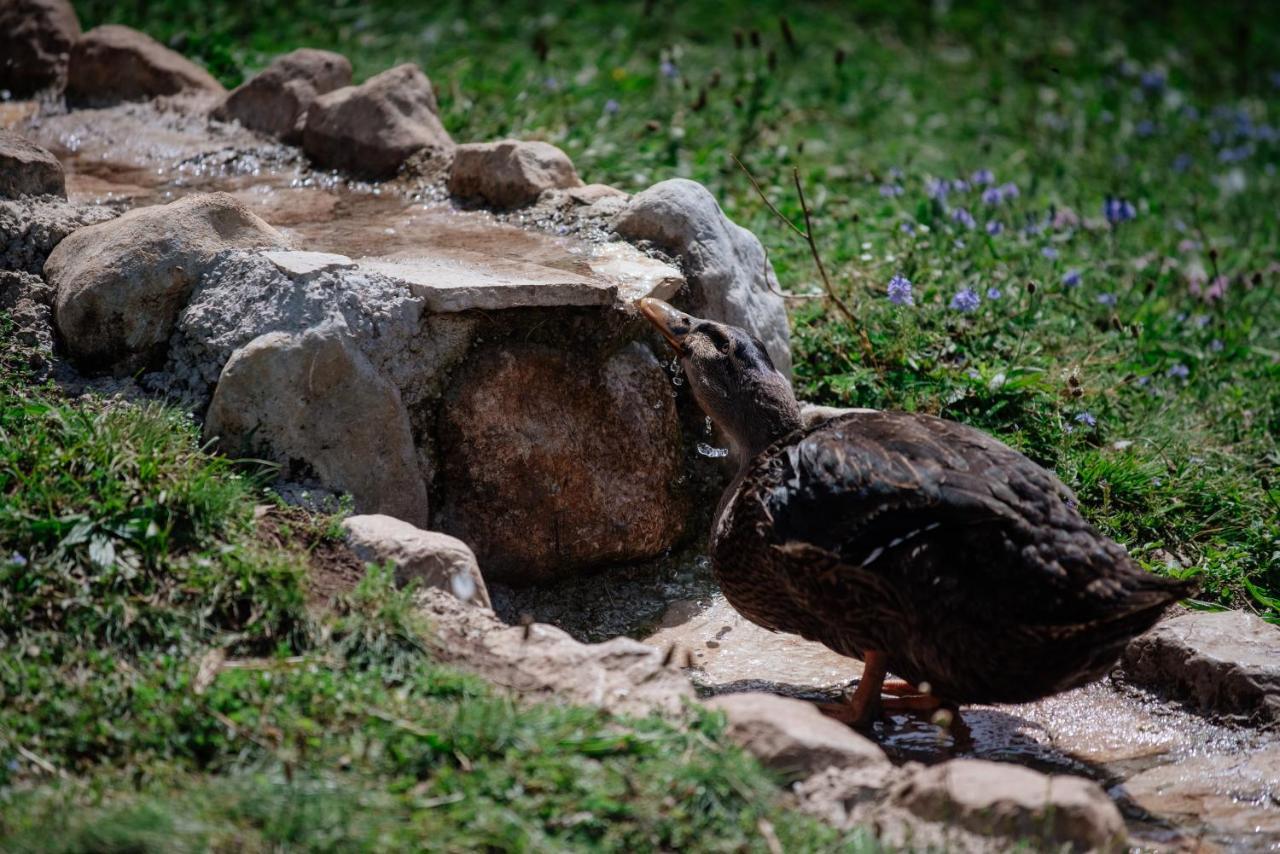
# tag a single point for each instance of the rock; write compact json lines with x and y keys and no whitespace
{"x":590,"y":194}
{"x":1015,"y":803}
{"x":31,"y":227}
{"x":26,"y":299}
{"x":554,"y":461}
{"x":544,"y":663}
{"x":1233,"y":796}
{"x":313,"y":403}
{"x":112,"y":63}
{"x":509,"y":173}
{"x":275,"y":102}
{"x":26,"y":169}
{"x":371,"y":129}
{"x":1225,"y":662}
{"x":730,"y":277}
{"x":428,"y":557}
{"x":792,"y":736}
{"x":35,"y":44}
{"x":122,"y":283}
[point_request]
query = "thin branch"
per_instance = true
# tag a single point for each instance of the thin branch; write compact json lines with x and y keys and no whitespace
{"x":779,"y":291}
{"x":760,"y":192}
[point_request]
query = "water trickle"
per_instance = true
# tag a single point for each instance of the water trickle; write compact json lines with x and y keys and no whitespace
{"x":709,"y":451}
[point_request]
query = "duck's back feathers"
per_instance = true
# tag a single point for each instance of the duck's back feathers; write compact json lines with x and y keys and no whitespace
{"x":964,"y":561}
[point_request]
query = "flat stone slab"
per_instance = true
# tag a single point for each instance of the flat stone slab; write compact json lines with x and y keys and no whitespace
{"x":1225,"y":662}
{"x":297,"y":263}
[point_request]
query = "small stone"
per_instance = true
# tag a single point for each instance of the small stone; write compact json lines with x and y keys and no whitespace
{"x":112,"y":63}
{"x":26,"y":169}
{"x":1225,"y":662}
{"x":428,"y":557}
{"x":370,"y":130}
{"x":730,"y":278}
{"x":314,"y":404}
{"x":275,"y":102}
{"x":1015,"y":803}
{"x":793,"y":737}
{"x":121,"y":284}
{"x":509,"y":173}
{"x":589,"y":194}
{"x":297,"y":263}
{"x":35,"y":44}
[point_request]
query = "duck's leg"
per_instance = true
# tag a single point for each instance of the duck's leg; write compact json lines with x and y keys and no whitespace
{"x":862,"y":709}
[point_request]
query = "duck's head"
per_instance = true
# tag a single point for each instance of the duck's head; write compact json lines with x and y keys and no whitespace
{"x":731,"y":376}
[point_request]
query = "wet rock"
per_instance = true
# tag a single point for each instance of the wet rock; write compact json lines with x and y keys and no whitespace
{"x":792,"y":736}
{"x":556,"y":461}
{"x":31,"y":227}
{"x":111,"y":63}
{"x":1224,"y":797}
{"x":429,"y":558}
{"x":121,"y":284}
{"x":314,"y":404}
{"x":1224,"y":662}
{"x":729,"y":275}
{"x":26,"y":169}
{"x":1014,"y":803}
{"x":509,"y":173}
{"x":35,"y":44}
{"x":542,"y":662}
{"x":371,"y":129}
{"x":275,"y":102}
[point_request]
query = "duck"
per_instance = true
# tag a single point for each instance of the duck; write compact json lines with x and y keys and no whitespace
{"x":921,"y":546}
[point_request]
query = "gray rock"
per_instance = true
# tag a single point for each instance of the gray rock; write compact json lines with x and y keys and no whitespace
{"x":543,"y":663}
{"x":554,"y":461}
{"x":729,"y":275}
{"x":35,"y":44}
{"x":275,"y":102}
{"x":26,"y":169}
{"x":111,"y":63}
{"x":429,"y":558}
{"x":1225,"y":662}
{"x":314,"y":404}
{"x":509,"y":173}
{"x":793,"y":737}
{"x":121,"y":284}
{"x":26,"y":299}
{"x":370,"y":130}
{"x":31,"y":227}
{"x":1013,"y":803}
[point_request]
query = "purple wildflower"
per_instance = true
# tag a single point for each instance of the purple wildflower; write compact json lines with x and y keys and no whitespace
{"x":992,"y":196}
{"x":1182,"y":162}
{"x":668,"y":69}
{"x":963,"y":217}
{"x":1009,"y":190}
{"x":1086,"y":418}
{"x":1178,"y":371}
{"x":1107,"y":299}
{"x":1071,"y":278}
{"x":907,"y":228}
{"x":1118,"y":210}
{"x":936,"y":188}
{"x":1153,"y":81}
{"x":960,"y":185}
{"x":983,"y":178}
{"x":1217,"y":289}
{"x":993,"y":293}
{"x":18,"y":559}
{"x":966,"y":299}
{"x":551,"y":84}
{"x":1216,"y":345}
{"x":994,"y":227}
{"x":1146,"y":127}
{"x":900,"y":291}
{"x":1049,"y":252}
{"x":611,"y":106}
{"x":891,"y":190}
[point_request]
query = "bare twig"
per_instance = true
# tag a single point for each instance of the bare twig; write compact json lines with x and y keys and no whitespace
{"x":779,"y":291}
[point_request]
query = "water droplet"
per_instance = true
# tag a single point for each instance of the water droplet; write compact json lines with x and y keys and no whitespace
{"x":707,"y":427}
{"x":708,"y":451}
{"x":677,"y":380}
{"x":463,"y":586}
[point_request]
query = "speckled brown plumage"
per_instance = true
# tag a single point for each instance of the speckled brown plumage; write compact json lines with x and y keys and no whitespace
{"x":960,"y":559}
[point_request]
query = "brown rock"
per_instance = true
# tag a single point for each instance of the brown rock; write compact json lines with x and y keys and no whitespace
{"x":553,"y":462}
{"x":26,"y":169}
{"x":793,"y":737}
{"x":509,"y":173}
{"x":122,"y":283}
{"x":275,"y":102}
{"x":111,"y":63}
{"x":314,"y":404}
{"x":429,"y":558}
{"x":371,"y":129}
{"x":35,"y":44}
{"x":1226,"y":662}
{"x":1016,"y":803}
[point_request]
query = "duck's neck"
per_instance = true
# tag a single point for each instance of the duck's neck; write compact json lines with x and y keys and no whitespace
{"x":773,"y":415}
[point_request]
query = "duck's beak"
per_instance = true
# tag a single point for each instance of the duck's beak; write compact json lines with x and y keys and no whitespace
{"x":673,"y":324}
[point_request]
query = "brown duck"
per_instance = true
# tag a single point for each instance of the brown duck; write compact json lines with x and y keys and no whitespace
{"x":919,"y":545}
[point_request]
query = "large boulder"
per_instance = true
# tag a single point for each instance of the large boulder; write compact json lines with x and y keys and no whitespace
{"x":370,"y":130}
{"x":111,"y":63}
{"x":32,"y":226}
{"x":35,"y":44}
{"x":26,"y":169}
{"x":428,"y":558}
{"x":554,"y":461}
{"x":1225,"y":662}
{"x":122,"y":283}
{"x":793,"y":737}
{"x":509,"y":173}
{"x":275,"y":102}
{"x":315,"y":405}
{"x":729,"y":275}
